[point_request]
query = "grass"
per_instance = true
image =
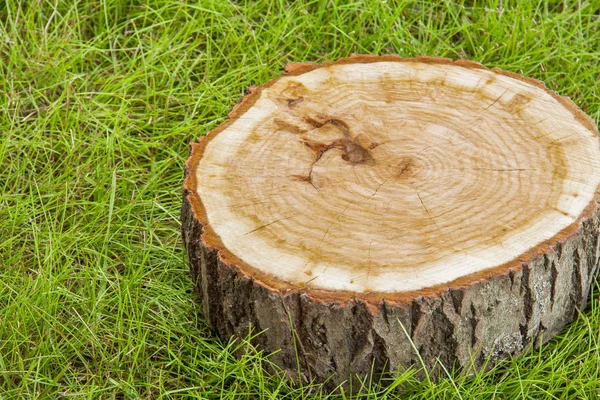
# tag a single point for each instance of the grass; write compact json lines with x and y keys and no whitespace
{"x":98,"y":102}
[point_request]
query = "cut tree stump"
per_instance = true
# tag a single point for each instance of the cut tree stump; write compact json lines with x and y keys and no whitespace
{"x":378,"y":213}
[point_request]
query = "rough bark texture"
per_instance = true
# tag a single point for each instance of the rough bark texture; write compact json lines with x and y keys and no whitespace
{"x":494,"y":318}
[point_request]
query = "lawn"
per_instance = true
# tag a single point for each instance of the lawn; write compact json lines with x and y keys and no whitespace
{"x":98,"y":102}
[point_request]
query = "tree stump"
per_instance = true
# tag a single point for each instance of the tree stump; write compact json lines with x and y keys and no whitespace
{"x":377,"y":213}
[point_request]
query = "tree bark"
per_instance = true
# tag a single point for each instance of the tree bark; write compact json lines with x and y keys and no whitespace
{"x":379,"y":213}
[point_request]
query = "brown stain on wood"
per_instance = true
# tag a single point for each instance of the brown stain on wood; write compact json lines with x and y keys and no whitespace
{"x":518,"y":103}
{"x":353,"y":151}
{"x":389,"y":86}
{"x":293,"y":90}
{"x":285,"y":126}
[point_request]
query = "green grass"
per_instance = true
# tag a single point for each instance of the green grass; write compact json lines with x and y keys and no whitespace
{"x":98,"y":102}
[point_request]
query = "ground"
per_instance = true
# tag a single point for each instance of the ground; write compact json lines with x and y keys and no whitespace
{"x":98,"y":102}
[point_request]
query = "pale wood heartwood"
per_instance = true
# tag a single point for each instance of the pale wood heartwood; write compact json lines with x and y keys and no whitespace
{"x":389,"y":189}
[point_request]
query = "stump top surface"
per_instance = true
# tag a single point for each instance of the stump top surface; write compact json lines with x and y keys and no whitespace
{"x":393,"y":176}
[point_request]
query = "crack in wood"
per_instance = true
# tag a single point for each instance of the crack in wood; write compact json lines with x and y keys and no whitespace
{"x":369,"y":261}
{"x":474,"y":321}
{"x":576,"y":280}
{"x":267,"y":224}
{"x":494,"y":102}
{"x":501,"y":169}
{"x":511,"y":277}
{"x":293,"y":102}
{"x":310,"y":280}
{"x":332,"y":223}
{"x":527,"y":305}
{"x":404,"y":168}
{"x":384,"y":312}
{"x":457,"y":298}
{"x":319,"y":150}
{"x":415,"y":316}
{"x":553,"y":278}
{"x":426,"y":210}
